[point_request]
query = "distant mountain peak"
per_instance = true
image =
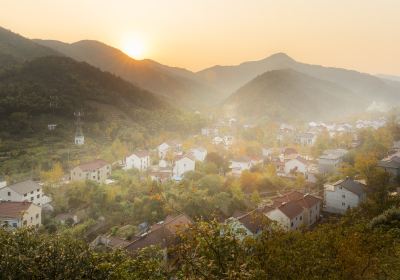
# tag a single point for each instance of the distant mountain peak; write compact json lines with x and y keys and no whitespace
{"x":281,"y":56}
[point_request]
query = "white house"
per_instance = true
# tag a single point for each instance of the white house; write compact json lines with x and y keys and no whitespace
{"x":217,"y":140}
{"x":183,"y":164}
{"x":306,"y":138}
{"x":239,"y":165}
{"x":289,"y":215}
{"x":295,"y":209}
{"x":296,"y":165}
{"x":228,"y":140}
{"x":139,"y":160}
{"x":20,"y":214}
{"x":23,"y":191}
{"x":172,"y":146}
{"x":163,"y":150}
{"x":199,"y":153}
{"x":343,"y":195}
{"x":267,"y":152}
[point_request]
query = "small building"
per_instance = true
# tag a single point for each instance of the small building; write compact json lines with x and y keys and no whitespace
{"x":163,"y":234}
{"x":343,"y":195}
{"x":306,"y":138}
{"x":330,"y":160}
{"x":199,"y":153}
{"x":289,"y":215}
{"x":183,"y":164}
{"x":97,"y":170}
{"x":161,"y":175}
{"x":139,"y":160}
{"x":217,"y":140}
{"x":238,"y":165}
{"x":391,"y":164}
{"x":23,"y":191}
{"x":15,"y":214}
{"x":296,"y":165}
{"x":295,"y":210}
{"x":173,"y":146}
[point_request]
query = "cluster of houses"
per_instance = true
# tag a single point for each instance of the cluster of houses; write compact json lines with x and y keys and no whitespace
{"x":21,"y":204}
{"x":173,"y":163}
{"x":290,"y":211}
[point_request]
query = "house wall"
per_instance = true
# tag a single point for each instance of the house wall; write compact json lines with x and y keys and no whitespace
{"x":140,"y":163}
{"x":183,"y":165}
{"x":277,"y":216}
{"x":238,"y":167}
{"x":34,"y":196}
{"x":10,"y":222}
{"x":311,"y":215}
{"x":199,"y":154}
{"x":98,"y":175}
{"x":284,"y":221}
{"x":337,"y":199}
{"x":33,"y":216}
{"x":291,"y":164}
{"x":163,"y":150}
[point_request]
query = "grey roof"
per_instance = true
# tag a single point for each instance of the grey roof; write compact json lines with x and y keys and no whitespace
{"x":352,"y":186}
{"x":25,"y":186}
{"x":392,"y":161}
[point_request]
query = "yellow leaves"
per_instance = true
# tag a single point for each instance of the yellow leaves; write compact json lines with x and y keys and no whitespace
{"x":54,"y":175}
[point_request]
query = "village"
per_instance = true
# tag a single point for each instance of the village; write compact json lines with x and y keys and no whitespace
{"x":295,"y":183}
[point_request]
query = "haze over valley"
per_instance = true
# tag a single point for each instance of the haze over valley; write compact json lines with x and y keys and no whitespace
{"x":144,"y":140}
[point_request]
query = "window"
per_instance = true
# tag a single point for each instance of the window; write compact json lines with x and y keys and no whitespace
{"x":343,"y":196}
{"x":31,"y":192}
{"x":343,"y":204}
{"x":37,"y":216}
{"x":38,"y":196}
{"x":32,"y":198}
{"x":25,"y":222}
{"x":38,"y":190}
{"x":291,"y":224}
{"x":301,"y":218}
{"x":14,"y":225}
{"x":25,"y":194}
{"x":9,"y":193}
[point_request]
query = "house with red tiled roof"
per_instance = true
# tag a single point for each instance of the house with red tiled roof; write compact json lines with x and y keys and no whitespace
{"x":162,"y":234}
{"x":294,"y":210}
{"x":97,"y":170}
{"x":289,"y":215}
{"x":15,"y":214}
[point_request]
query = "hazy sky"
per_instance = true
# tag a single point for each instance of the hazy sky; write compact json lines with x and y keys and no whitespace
{"x":357,"y":34}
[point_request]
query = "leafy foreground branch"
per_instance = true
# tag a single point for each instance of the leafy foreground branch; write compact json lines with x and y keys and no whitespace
{"x":367,"y":249}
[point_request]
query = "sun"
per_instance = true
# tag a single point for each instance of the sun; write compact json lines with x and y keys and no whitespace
{"x":134,"y":47}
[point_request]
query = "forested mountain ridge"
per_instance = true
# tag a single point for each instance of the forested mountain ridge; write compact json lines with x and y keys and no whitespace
{"x":289,"y":95}
{"x":14,"y":47}
{"x":228,"y":79}
{"x":178,"y":85}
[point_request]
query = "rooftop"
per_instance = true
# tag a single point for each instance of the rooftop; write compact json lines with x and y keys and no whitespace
{"x":13,"y":209}
{"x":25,"y":187}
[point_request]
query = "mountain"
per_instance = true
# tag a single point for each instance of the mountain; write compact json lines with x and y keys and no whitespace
{"x":389,"y":77}
{"x":28,"y":89}
{"x":230,"y":78}
{"x":178,"y":85}
{"x":15,"y":48}
{"x":291,"y":95}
